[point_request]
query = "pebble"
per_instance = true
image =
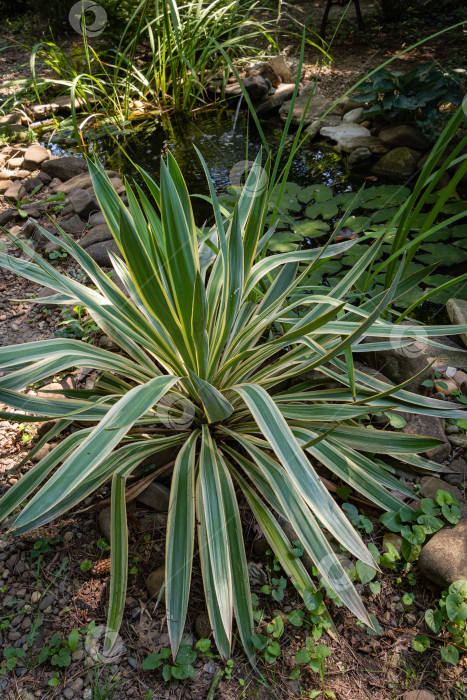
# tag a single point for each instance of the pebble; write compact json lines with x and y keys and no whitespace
{"x":132,"y":661}
{"x":68,"y":693}
{"x":46,"y":602}
{"x":35,"y":597}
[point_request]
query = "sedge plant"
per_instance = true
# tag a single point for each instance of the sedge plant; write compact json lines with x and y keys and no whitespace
{"x":214,"y":362}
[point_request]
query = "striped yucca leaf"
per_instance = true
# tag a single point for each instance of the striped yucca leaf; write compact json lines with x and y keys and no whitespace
{"x":211,"y":363}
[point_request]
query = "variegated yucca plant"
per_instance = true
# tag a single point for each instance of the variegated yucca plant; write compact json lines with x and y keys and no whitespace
{"x":214,"y":325}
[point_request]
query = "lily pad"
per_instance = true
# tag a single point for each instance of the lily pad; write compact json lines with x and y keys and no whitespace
{"x":320,"y":193}
{"x":445,"y":254}
{"x":310,"y":229}
{"x":326,"y":209}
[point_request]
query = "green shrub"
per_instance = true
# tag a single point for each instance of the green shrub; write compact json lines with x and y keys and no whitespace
{"x":215,"y":363}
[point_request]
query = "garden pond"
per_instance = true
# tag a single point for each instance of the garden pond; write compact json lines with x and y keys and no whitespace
{"x":319,"y":190}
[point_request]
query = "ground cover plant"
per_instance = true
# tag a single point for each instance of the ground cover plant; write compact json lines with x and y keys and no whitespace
{"x":216,"y":364}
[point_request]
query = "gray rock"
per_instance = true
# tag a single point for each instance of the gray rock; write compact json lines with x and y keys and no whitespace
{"x":284,"y":92}
{"x":399,"y":163}
{"x":358,"y":157}
{"x":43,"y":451}
{"x":34,"y":157}
{"x":155,"y":496}
{"x":459,"y":440}
{"x":46,"y":601}
{"x":457,"y":311}
{"x":286,"y":67}
{"x":81,"y":181}
{"x":68,"y":693}
{"x":6,"y":215}
{"x":402,"y":363}
{"x":257,"y":88}
{"x":83,"y":202}
{"x":4,"y":185}
{"x":459,"y":474}
{"x":32,"y":183}
{"x":404,"y":135}
{"x":352,"y":115}
{"x":430,"y":485}
{"x":15,"y":191}
{"x":345,"y":105}
{"x":328,"y":120}
{"x":104,"y":523}
{"x":43,"y":177}
{"x":98,"y":252}
{"x":317,"y":107}
{"x":202,"y":625}
{"x":97,"y":218}
{"x":98,"y":234}
{"x":443,"y":559}
{"x":343,"y":133}
{"x":64,"y":168}
{"x":430,"y":426}
{"x":9,"y":119}
{"x":74,"y":225}
{"x":154,"y":582}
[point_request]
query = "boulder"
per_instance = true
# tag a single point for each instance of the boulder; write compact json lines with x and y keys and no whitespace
{"x":343,"y":132}
{"x":442,"y":559}
{"x":284,"y":92}
{"x":404,"y":135}
{"x":155,"y":496}
{"x":328,"y":120}
{"x":99,"y":252}
{"x":433,"y":427}
{"x":34,"y":157}
{"x":83,"y":202}
{"x":457,"y":311}
{"x":257,"y":88}
{"x":98,"y":234}
{"x":398,"y":163}
{"x":81,"y":181}
{"x":15,"y":162}
{"x":74,"y":225}
{"x":402,"y":363}
{"x":430,"y":485}
{"x":9,"y":119}
{"x":64,"y":168}
{"x":346,"y":104}
{"x":358,"y":157}
{"x":352,"y":115}
{"x":267,"y":71}
{"x":317,"y":107}
{"x":32,"y":183}
{"x":285,"y":66}
{"x":15,"y":191}
{"x":4,"y":185}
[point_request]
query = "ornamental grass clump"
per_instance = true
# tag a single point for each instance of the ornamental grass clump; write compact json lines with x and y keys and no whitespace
{"x":217,"y":349}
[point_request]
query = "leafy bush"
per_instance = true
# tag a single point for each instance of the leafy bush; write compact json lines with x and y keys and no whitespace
{"x":216,"y":364}
{"x":396,"y":96}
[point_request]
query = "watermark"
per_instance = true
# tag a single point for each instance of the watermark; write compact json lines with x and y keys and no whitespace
{"x":409,"y":341}
{"x":176,"y":412}
{"x":334,"y":574}
{"x":95,"y":645}
{"x":239,"y":177}
{"x":79,"y":15}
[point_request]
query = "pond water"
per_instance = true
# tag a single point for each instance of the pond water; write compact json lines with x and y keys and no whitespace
{"x":226,"y":141}
{"x":223,"y":144}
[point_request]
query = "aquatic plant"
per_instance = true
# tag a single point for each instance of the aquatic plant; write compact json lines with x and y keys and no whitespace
{"x":217,"y":364}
